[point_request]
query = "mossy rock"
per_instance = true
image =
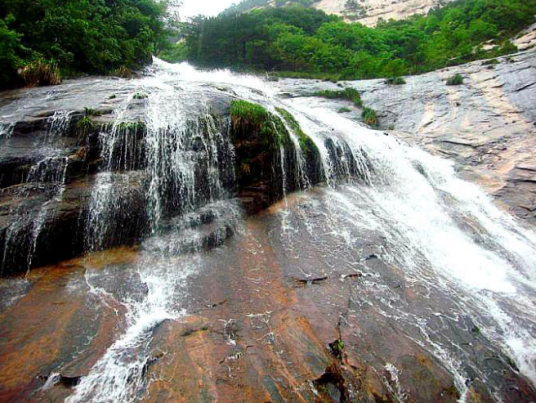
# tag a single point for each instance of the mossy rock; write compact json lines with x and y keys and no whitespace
{"x":307,"y":145}
{"x":252,"y":122}
{"x":266,"y":161}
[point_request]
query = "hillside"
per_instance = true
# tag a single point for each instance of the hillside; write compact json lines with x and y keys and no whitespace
{"x":368,"y":12}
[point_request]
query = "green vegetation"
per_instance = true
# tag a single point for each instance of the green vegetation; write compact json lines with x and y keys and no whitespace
{"x":491,"y":62}
{"x":344,"y":110}
{"x":140,"y":95}
{"x":456,"y":79}
{"x":91,"y":112}
{"x":40,"y":73}
{"x":46,"y":37}
{"x":348,"y":94}
{"x":306,"y":43}
{"x":248,"y":118}
{"x":176,"y":53}
{"x":306,"y":144}
{"x":85,"y":125}
{"x":395,"y":81}
{"x":337,"y":348}
{"x":132,"y":127}
{"x":369,"y":117}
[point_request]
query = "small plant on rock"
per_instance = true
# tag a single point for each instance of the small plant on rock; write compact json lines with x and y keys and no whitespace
{"x":370,"y":117}
{"x":456,"y":79}
{"x":350,"y":94}
{"x":395,"y":81}
{"x":140,"y":95}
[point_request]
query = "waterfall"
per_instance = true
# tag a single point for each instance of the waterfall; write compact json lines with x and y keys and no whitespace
{"x":165,"y":181}
{"x":421,"y":207}
{"x":45,"y":180}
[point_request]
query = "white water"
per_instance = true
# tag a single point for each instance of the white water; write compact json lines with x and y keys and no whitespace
{"x":443,"y":232}
{"x":420,"y":214}
{"x":47,"y":177}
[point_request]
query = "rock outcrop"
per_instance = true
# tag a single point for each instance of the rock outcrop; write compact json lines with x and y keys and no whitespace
{"x":367,"y":12}
{"x":54,"y":163}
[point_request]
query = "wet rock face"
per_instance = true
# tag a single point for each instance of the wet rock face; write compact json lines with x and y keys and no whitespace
{"x":487,"y":126}
{"x":272,"y":316}
{"x":73,"y":181}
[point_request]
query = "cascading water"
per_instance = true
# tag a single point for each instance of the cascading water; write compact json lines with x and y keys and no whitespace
{"x":443,"y":232}
{"x":184,"y":173}
{"x":46,"y":180}
{"x":171,"y":166}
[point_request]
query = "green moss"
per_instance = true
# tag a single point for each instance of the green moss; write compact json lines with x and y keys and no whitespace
{"x":348,"y":94}
{"x":395,"y":81}
{"x":306,"y":144}
{"x":249,"y":119}
{"x":370,"y":117}
{"x":131,"y":126}
{"x":344,"y":110}
{"x":456,"y":79}
{"x":246,"y":111}
{"x":140,"y":95}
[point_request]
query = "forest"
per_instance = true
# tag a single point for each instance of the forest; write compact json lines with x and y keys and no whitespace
{"x":303,"y":42}
{"x":44,"y":39}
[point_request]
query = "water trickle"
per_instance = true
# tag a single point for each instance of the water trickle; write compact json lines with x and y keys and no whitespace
{"x":45,"y":180}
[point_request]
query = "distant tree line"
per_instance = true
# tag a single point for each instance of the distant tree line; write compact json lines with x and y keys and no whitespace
{"x":307,"y":42}
{"x":72,"y":36}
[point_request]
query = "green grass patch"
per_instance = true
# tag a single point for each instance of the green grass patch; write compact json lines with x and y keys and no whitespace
{"x":91,"y":112}
{"x":456,"y":79}
{"x":395,"y":81}
{"x":85,"y":125}
{"x":348,"y":94}
{"x":370,"y":117}
{"x":344,"y":109}
{"x":490,"y":62}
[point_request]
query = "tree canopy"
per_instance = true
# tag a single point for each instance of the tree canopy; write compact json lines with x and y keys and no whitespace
{"x":92,"y":36}
{"x":310,"y":43}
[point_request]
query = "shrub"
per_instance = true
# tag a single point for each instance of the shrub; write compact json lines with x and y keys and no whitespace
{"x":456,"y":79}
{"x":41,"y":73}
{"x":123,"y":72}
{"x":370,"y":117}
{"x":9,"y":58}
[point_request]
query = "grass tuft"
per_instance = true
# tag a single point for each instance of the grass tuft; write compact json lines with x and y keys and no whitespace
{"x":456,"y":79}
{"x":348,"y":94}
{"x":370,"y":117}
